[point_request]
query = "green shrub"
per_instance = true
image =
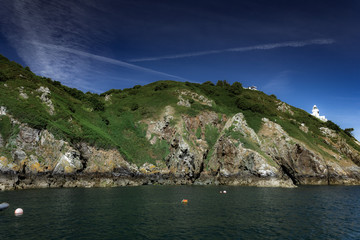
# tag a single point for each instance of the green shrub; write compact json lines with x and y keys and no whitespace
{"x":5,"y":127}
{"x":161,"y":86}
{"x":333,"y":126}
{"x":198,"y":133}
{"x":96,"y":104}
{"x":348,"y":131}
{"x":208,"y":83}
{"x":3,"y":77}
{"x":134,"y":107}
{"x":211,"y":135}
{"x":236,"y":88}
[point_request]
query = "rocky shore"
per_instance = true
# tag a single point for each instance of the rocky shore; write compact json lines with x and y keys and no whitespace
{"x":269,"y":158}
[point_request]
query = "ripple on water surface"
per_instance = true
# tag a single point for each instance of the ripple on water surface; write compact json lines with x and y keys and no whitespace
{"x":156,"y":212}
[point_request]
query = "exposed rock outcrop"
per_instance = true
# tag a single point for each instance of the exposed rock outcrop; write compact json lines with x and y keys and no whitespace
{"x":45,"y":98}
{"x":23,"y":94}
{"x":2,"y":110}
{"x":194,"y":96}
{"x":234,"y":155}
{"x":283,"y":107}
{"x":300,"y":163}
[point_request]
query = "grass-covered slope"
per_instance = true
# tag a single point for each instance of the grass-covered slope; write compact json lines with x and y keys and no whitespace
{"x":113,"y":119}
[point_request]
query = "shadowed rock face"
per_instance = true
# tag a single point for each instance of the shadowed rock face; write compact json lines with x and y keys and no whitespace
{"x":236,"y":155}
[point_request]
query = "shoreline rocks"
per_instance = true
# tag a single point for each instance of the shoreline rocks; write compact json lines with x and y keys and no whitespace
{"x":236,"y":155}
{"x":11,"y":180}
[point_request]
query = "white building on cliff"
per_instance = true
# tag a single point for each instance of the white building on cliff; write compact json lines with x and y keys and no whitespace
{"x":315,"y":113}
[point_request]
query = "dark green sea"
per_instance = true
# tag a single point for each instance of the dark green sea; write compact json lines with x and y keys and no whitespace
{"x":156,"y":212}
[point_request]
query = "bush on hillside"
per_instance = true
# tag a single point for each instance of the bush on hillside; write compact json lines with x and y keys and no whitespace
{"x":111,"y":91}
{"x":236,"y":88}
{"x":349,"y":131}
{"x":134,"y":107}
{"x":161,"y":86}
{"x":333,"y":126}
{"x":208,"y":83}
{"x":3,"y":77}
{"x":222,"y":83}
{"x":96,"y":104}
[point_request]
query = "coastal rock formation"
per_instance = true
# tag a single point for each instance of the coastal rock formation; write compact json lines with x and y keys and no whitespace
{"x":239,"y":156}
{"x":165,"y":132}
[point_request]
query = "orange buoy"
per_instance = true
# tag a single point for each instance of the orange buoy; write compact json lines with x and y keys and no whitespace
{"x":184,"y":201}
{"x":19,"y":212}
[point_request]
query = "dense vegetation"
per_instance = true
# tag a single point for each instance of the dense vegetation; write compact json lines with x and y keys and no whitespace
{"x":115,"y":123}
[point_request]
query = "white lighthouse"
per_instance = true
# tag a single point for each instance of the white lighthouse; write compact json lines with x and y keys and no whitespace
{"x":315,"y":113}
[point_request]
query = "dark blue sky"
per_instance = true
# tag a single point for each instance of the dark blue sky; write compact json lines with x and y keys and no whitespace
{"x":304,"y":52}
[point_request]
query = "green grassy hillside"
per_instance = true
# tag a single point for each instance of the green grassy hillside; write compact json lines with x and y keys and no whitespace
{"x":114,"y":122}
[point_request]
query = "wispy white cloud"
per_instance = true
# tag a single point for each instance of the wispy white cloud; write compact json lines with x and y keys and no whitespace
{"x":54,"y":38}
{"x":278,"y":84}
{"x":57,"y":22}
{"x":240,"y":49}
{"x":103,"y":59}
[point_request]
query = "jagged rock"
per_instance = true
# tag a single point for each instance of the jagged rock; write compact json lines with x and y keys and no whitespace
{"x":267,"y":158}
{"x":180,"y":160}
{"x":2,"y":110}
{"x":328,"y":132}
{"x":148,"y":168}
{"x":201,"y":120}
{"x":45,"y":92}
{"x":238,"y":123}
{"x":8,"y":181}
{"x":19,"y":155}
{"x":231,"y":160}
{"x":33,"y":166}
{"x":107,"y":98}
{"x":183,"y":102}
{"x":29,"y":135}
{"x":283,"y":107}
{"x":303,"y":165}
{"x":350,"y":152}
{"x":68,"y":163}
{"x":161,"y":129}
{"x":84,"y":150}
{"x":4,"y":164}
{"x":196,"y":97}
{"x":234,"y":164}
{"x":27,"y":138}
{"x":304,"y":128}
{"x":22,"y":93}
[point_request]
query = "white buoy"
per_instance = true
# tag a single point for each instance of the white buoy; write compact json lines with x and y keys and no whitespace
{"x":224,"y":191}
{"x":220,"y":191}
{"x":19,"y":212}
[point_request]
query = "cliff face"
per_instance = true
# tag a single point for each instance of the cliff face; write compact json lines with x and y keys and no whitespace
{"x":166,"y":132}
{"x":234,"y":155}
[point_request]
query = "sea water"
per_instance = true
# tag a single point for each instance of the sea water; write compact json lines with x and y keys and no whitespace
{"x":156,"y":212}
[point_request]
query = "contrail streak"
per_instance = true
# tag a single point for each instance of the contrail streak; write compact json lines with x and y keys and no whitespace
{"x":104,"y":59}
{"x":240,"y":49}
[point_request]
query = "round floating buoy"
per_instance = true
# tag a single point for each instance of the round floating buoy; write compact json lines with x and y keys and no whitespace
{"x":224,"y":191}
{"x":220,"y":191}
{"x":19,"y":212}
{"x":184,"y":201}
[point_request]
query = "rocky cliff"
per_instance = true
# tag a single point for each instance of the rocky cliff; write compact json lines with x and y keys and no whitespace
{"x":239,"y":156}
{"x":163,"y":133}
